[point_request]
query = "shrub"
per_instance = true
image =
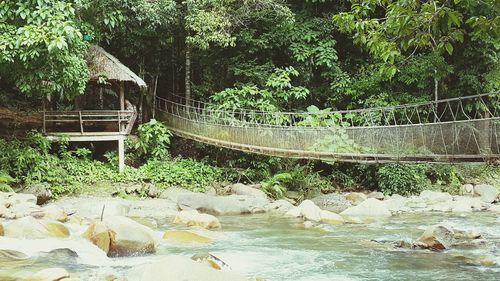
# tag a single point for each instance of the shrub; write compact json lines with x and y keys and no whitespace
{"x":154,"y":140}
{"x":404,"y":179}
{"x":5,"y":179}
{"x":188,"y":173}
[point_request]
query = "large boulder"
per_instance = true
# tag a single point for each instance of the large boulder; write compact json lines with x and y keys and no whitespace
{"x":100,"y":206}
{"x":54,"y":212}
{"x":241,"y":189}
{"x":475,"y":202}
{"x":307,"y":210}
{"x":355,"y":197}
{"x":222,"y":205}
{"x":396,"y":203}
{"x":462,"y":206}
{"x":50,"y":274}
{"x":369,"y":208}
{"x":172,"y":193}
{"x":435,"y":197}
{"x":41,"y":191}
{"x":121,"y":236}
{"x":437,"y":237}
{"x":31,"y":228}
{"x":279,"y":207}
{"x":194,"y":218}
{"x":176,"y":268}
{"x":376,"y":194}
{"x":487,"y":192}
{"x":331,"y":218}
{"x":467,"y":189}
{"x":20,"y":198}
{"x":334,"y":202}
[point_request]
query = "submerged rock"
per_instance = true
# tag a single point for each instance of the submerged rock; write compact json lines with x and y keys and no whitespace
{"x":194,"y":218}
{"x":437,"y":237}
{"x":466,"y":234}
{"x":121,"y":236}
{"x":241,"y":189}
{"x":29,"y":227}
{"x":175,"y":268}
{"x":487,"y":192}
{"x":222,"y":205}
{"x":368,"y":208}
{"x":185,"y":237}
{"x":495,"y":209}
{"x":210,"y":260}
{"x":50,"y":274}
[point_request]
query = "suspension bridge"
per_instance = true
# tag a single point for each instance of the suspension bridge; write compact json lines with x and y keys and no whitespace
{"x":457,"y":130}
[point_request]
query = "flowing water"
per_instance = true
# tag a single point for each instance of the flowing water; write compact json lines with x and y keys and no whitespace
{"x":275,"y":249}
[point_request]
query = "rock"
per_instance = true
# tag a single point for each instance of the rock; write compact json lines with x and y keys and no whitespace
{"x":369,"y":208}
{"x":416,"y":202}
{"x":54,"y":212}
{"x":11,"y":255}
{"x":210,"y":260}
{"x":26,"y":209}
{"x":487,"y":192}
{"x":355,"y":198}
{"x":172,"y":193}
{"x":194,"y":218}
{"x":307,"y":210}
{"x":211,"y":191}
{"x":331,"y":218}
{"x":222,"y":205}
{"x":41,"y":191}
{"x":51,"y":274}
{"x":334,"y":202}
{"x":487,"y":261}
{"x":19,"y":198}
{"x":153,"y":191}
{"x":121,"y":236}
{"x":495,"y":208}
{"x":467,"y":189}
{"x":279,"y":207}
{"x":435,"y":197}
{"x":466,"y":235}
{"x":461,"y":206}
{"x":241,"y":189}
{"x":305,"y":225}
{"x":437,"y":237}
{"x":443,"y":207}
{"x":396,"y":203}
{"x":182,"y":268}
{"x":185,"y":237}
{"x":29,"y":227}
{"x":475,"y":202}
{"x":1,"y":229}
{"x":377,"y":195}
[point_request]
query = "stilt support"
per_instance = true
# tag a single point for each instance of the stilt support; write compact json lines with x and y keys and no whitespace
{"x":121,"y":155}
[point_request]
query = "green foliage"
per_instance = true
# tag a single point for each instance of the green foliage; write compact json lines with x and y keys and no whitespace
{"x":403,"y":179}
{"x":188,"y":173}
{"x":5,"y":180}
{"x":41,"y":47}
{"x":276,"y":185}
{"x":154,"y":140}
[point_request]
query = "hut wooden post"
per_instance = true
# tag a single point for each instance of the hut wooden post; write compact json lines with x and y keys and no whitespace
{"x":121,"y":154}
{"x":122,"y":103}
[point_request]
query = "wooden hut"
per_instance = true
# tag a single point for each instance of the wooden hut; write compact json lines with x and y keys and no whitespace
{"x":89,"y":125}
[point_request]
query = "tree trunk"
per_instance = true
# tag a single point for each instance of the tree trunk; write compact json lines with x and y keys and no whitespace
{"x":188,"y":73}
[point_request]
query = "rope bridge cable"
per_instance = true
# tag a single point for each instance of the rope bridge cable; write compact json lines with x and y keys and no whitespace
{"x":464,"y":129}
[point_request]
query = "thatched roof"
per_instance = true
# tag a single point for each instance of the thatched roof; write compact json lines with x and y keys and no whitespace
{"x":102,"y":63}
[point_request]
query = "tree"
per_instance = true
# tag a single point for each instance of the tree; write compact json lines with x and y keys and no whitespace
{"x":41,"y":47}
{"x":394,"y":30}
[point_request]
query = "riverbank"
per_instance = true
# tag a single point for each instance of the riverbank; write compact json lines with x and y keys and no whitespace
{"x":141,"y":239}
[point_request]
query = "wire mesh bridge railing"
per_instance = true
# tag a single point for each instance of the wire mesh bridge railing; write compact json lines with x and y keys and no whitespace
{"x":462,"y":129}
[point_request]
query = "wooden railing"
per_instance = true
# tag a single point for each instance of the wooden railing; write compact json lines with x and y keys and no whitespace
{"x":89,"y":121}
